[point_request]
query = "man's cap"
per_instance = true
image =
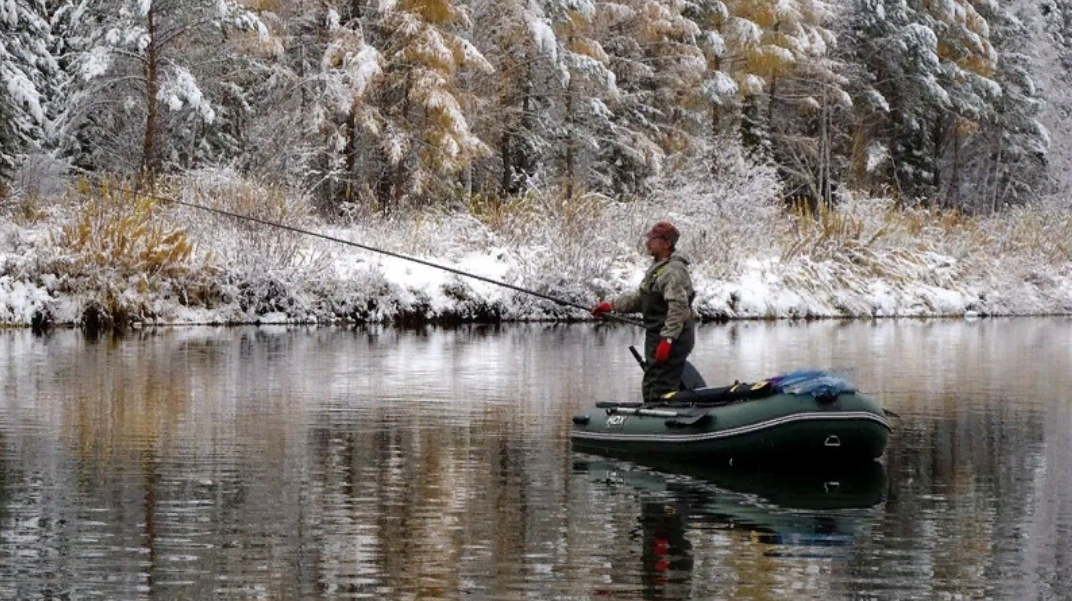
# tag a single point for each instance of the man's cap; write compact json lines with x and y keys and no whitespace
{"x":664,"y":230}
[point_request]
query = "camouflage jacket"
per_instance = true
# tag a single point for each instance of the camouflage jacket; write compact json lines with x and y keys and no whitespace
{"x":664,"y":297}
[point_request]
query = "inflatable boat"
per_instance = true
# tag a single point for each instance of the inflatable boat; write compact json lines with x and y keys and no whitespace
{"x":803,"y":417}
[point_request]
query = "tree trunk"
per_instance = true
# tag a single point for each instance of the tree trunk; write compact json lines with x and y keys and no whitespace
{"x":954,"y":178}
{"x":569,"y":140}
{"x":399,"y":175}
{"x":150,"y":164}
{"x":936,"y":158}
{"x":350,"y":151}
{"x":504,"y":151}
{"x":524,"y":162}
{"x":825,"y":170}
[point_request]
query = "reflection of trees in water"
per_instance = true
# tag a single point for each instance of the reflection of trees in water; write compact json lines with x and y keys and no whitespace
{"x":966,"y":488}
{"x":181,"y":456}
{"x":5,"y":478}
{"x":151,"y":486}
{"x":399,"y":501}
{"x":429,"y":504}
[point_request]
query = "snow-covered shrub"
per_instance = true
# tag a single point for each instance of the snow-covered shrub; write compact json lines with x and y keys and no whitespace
{"x":262,"y":268}
{"x":248,"y":245}
{"x":724,"y":202}
{"x":121,"y":230}
{"x":41,"y":176}
{"x":118,"y":251}
{"x":590,"y":246}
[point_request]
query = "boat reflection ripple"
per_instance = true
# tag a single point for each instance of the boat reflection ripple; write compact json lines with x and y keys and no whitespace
{"x":810,"y":513}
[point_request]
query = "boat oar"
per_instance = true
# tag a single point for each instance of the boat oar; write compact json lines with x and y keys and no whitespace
{"x":674,"y":418}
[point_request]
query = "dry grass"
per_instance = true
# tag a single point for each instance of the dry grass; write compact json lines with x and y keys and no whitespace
{"x":878,"y":226}
{"x":496,"y":211}
{"x":513,"y":218}
{"x":121,"y":249}
{"x":872,"y":240}
{"x":119,"y":229}
{"x":1042,"y":235}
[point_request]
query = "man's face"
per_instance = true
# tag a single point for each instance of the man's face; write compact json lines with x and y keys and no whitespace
{"x":658,"y":247}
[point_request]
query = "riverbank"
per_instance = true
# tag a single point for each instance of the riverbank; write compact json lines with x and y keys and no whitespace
{"x":112,"y":258}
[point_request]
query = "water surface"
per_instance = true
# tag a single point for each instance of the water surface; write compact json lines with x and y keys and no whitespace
{"x":305,"y":463}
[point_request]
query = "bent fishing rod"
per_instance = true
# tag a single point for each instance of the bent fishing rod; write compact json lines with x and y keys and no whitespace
{"x":401,"y":256}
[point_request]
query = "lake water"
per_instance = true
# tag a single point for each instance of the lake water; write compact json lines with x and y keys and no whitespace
{"x":331,"y":463}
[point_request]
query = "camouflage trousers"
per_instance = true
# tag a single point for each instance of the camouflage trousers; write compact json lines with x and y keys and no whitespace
{"x":665,"y":376}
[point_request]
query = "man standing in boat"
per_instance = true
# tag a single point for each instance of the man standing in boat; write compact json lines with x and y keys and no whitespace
{"x":665,"y":300}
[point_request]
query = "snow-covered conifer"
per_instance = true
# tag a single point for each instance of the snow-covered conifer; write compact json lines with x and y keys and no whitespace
{"x":160,"y":86}
{"x":519,"y":97}
{"x":25,"y":68}
{"x":659,"y":65}
{"x":1001,"y":159}
{"x":418,"y":132}
{"x":587,"y":84}
{"x":780,"y":57}
{"x":928,"y":88}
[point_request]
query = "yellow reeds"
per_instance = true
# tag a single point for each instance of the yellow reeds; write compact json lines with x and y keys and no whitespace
{"x":120,"y":229}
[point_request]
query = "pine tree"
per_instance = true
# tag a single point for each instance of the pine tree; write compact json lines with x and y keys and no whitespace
{"x":718,"y":91}
{"x":791,"y":88}
{"x":319,"y":94}
{"x":928,"y":86}
{"x":25,"y":66}
{"x":153,"y":81}
{"x":968,"y":61}
{"x":351,"y":67}
{"x":1050,"y":44}
{"x":1004,"y":161}
{"x":587,"y":83}
{"x":518,"y":38}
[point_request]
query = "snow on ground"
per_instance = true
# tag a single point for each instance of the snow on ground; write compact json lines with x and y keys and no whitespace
{"x":310,"y":280}
{"x":758,"y":291}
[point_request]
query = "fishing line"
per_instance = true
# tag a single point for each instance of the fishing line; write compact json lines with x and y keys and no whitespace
{"x":396,"y":255}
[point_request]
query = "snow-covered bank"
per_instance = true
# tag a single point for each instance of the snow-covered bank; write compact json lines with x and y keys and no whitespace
{"x":749,"y":261}
{"x":358,"y":287}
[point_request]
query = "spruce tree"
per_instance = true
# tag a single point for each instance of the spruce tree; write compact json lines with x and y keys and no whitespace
{"x":1002,"y":160}
{"x":25,"y":68}
{"x":519,"y":40}
{"x":659,"y":66}
{"x":154,"y":77}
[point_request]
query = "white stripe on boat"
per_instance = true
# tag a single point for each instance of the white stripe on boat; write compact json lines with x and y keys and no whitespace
{"x":704,"y":436}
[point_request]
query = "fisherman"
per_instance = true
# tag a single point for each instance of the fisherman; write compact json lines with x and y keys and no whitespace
{"x":665,"y":300}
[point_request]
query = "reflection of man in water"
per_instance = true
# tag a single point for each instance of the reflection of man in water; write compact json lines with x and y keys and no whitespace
{"x":666,"y":559}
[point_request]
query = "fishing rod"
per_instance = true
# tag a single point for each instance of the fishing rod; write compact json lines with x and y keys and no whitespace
{"x":453,"y":270}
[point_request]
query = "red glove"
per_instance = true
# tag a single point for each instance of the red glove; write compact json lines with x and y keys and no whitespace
{"x":601,"y":309}
{"x":662,"y":352}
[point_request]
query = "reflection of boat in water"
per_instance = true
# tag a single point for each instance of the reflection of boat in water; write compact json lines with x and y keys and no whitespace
{"x":815,"y":487}
{"x":805,"y":508}
{"x":804,"y":417}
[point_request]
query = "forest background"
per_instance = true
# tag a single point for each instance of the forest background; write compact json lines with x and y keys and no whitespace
{"x":837,"y":158}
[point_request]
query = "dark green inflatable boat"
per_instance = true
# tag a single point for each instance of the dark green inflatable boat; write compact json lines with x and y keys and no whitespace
{"x":799,"y":418}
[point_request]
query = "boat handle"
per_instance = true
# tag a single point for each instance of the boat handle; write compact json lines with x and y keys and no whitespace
{"x":832,"y":441}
